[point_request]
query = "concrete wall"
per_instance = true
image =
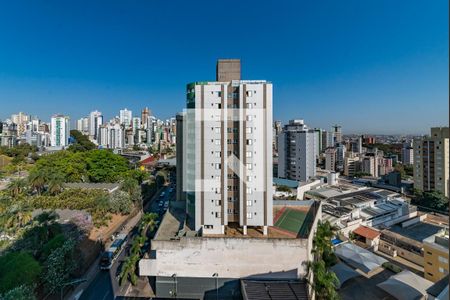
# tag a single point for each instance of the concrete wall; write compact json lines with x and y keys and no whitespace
{"x":229,"y":257}
{"x":392,"y":250}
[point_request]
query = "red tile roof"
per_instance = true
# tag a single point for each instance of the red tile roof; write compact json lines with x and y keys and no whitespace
{"x":366,"y":232}
{"x":148,"y":160}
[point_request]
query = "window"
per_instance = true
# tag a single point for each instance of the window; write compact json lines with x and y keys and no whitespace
{"x":441,"y":270}
{"x":217,"y":130}
{"x":249,"y":118}
{"x":229,"y":211}
{"x":429,"y":253}
{"x":249,"y":141}
{"x":249,"y":130}
{"x":217,"y":214}
{"x":249,"y":178}
{"x":249,"y":190}
{"x":208,"y":226}
{"x":217,"y":154}
{"x":429,"y":274}
{"x":248,"y":154}
{"x":443,"y":260}
{"x":219,"y":105}
{"x":218,"y":203}
{"x":218,"y":166}
{"x":249,"y":105}
{"x":249,"y":93}
{"x":249,"y":166}
{"x":217,"y":142}
{"x":249,"y":202}
{"x":249,"y":215}
{"x":219,"y":94}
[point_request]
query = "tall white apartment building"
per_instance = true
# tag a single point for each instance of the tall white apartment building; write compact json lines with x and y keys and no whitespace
{"x":297,"y":151}
{"x":83,"y":125}
{"x":125,"y":117}
{"x":59,"y":131}
{"x":21,"y":119}
{"x":431,"y":161}
{"x":112,"y":136}
{"x":95,"y":121}
{"x":227,"y":157}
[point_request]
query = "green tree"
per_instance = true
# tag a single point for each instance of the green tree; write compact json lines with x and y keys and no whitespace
{"x":55,"y":184}
{"x":325,"y":281}
{"x":105,"y":166}
{"x":120,"y":202}
{"x":431,"y":199}
{"x":17,"y":187}
{"x":22,"y":292}
{"x":37,"y":180}
{"x":128,"y":271}
{"x":81,"y":142}
{"x":59,"y":266}
{"x":149,"y":222}
{"x":16,"y":269}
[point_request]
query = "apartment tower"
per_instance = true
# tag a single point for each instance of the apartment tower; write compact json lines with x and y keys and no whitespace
{"x":431,"y":161}
{"x":227,"y":138}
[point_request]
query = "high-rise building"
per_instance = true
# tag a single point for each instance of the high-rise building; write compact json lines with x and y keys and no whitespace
{"x":21,"y":120}
{"x":337,"y":131}
{"x":125,"y":117}
{"x":146,"y":112}
{"x":95,"y":120}
{"x":180,"y":193}
{"x":330,"y":159}
{"x":111,"y":135}
{"x":59,"y":131}
{"x":227,"y":139}
{"x":408,"y":154}
{"x":297,"y":151}
{"x":351,"y":165}
{"x":83,"y":125}
{"x":431,"y":161}
{"x":340,"y":155}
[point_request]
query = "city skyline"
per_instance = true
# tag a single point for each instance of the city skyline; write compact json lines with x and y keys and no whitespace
{"x":338,"y":71}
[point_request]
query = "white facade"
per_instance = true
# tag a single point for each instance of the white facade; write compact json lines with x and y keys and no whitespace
{"x":112,"y":136}
{"x":125,"y":117}
{"x":297,"y":151}
{"x":237,"y":122}
{"x":95,"y":121}
{"x":59,"y":131}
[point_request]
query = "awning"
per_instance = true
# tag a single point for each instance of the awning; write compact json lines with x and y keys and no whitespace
{"x":358,"y":257}
{"x":406,"y":285}
{"x":343,"y":273}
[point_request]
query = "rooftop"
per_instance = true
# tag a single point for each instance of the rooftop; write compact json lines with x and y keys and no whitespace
{"x":367,"y":232}
{"x":418,"y":232}
{"x":262,"y":290}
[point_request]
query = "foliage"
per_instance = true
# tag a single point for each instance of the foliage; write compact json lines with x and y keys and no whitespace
{"x":128,"y":271}
{"x":434,"y":200}
{"x":22,"y":150}
{"x":361,"y":174}
{"x":16,"y":269}
{"x":138,"y":175}
{"x":83,"y":222}
{"x":17,"y":187}
{"x":283,"y":188}
{"x":82,"y":142}
{"x":92,"y":165}
{"x":325,"y":281}
{"x":404,"y":170}
{"x":161,"y":178}
{"x":120,"y":202}
{"x":56,"y":242}
{"x":149,"y":222}
{"x":22,"y":292}
{"x":59,"y":266}
{"x":392,"y":267}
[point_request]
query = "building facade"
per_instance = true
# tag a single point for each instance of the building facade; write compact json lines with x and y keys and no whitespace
{"x":227,"y":138}
{"x":297,"y":151}
{"x":431,"y":161}
{"x":60,"y":131}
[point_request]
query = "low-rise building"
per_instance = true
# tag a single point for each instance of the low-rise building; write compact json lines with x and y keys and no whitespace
{"x":436,"y":256}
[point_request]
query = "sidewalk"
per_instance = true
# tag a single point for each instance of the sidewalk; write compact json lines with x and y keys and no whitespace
{"x":94,"y":268}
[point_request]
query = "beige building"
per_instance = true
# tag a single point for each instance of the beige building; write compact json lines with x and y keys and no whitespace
{"x":436,"y":256}
{"x":330,"y":159}
{"x":351,"y":165}
{"x":431,"y":161}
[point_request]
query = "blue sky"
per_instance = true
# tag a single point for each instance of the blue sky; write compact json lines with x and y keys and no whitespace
{"x":375,"y":66}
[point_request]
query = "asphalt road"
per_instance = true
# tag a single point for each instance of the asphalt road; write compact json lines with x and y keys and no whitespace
{"x":106,"y":284}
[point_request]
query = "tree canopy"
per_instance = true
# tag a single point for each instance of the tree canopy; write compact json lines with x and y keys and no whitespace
{"x":81,"y":142}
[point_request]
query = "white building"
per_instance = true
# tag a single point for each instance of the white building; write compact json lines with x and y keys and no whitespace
{"x":408,"y":154}
{"x":125,"y":117}
{"x":83,"y":125}
{"x":21,"y":119}
{"x":95,"y":120}
{"x":297,"y":151}
{"x":224,"y":121}
{"x":112,"y":136}
{"x":59,"y":131}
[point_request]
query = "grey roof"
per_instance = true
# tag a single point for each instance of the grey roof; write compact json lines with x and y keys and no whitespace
{"x":406,"y":285}
{"x":358,"y":257}
{"x":269,"y":290}
{"x":418,"y":231}
{"x":343,"y":273}
{"x":436,"y":289}
{"x":287,"y":182}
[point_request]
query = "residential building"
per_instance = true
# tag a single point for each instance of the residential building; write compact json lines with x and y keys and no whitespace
{"x":83,"y":125}
{"x":408,"y":154}
{"x":431,"y":161}
{"x":297,"y":151}
{"x":145,"y":114}
{"x":351,"y":165}
{"x":330,"y":159}
{"x":180,"y":193}
{"x":227,"y":139}
{"x":436,"y":256}
{"x":59,"y":131}
{"x":369,"y":165}
{"x":21,"y":119}
{"x":340,"y":156}
{"x":337,"y":131}
{"x":95,"y":120}
{"x":125,"y":117}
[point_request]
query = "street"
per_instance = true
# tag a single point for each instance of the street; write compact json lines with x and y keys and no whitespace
{"x":105,"y":285}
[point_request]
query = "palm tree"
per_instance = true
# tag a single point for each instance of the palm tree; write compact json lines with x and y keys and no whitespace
{"x":149,"y":222}
{"x":17,"y":187}
{"x":37,"y":180}
{"x":325,"y":281}
{"x":129,"y":270}
{"x":55,"y":185}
